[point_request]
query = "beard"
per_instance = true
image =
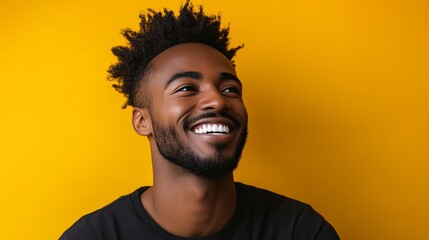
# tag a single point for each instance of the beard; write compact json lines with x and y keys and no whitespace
{"x":172,"y":148}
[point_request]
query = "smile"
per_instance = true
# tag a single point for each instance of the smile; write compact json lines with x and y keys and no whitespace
{"x":215,"y":129}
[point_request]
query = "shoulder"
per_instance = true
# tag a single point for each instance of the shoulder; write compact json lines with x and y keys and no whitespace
{"x":95,"y":225}
{"x":267,"y":199}
{"x":284,"y":215}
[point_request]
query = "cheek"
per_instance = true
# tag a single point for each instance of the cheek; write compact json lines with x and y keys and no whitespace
{"x":241,"y":110}
{"x":179,"y":108}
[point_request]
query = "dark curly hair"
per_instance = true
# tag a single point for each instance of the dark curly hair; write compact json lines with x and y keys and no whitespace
{"x":160,"y":30}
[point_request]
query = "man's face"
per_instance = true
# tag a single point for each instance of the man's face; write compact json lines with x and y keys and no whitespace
{"x":197,"y":111}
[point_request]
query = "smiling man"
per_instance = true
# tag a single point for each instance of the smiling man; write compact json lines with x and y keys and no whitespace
{"x":178,"y":75}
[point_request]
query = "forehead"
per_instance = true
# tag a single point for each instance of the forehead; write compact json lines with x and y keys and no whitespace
{"x":195,"y":57}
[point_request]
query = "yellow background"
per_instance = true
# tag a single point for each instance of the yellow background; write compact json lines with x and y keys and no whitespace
{"x":337,"y":93}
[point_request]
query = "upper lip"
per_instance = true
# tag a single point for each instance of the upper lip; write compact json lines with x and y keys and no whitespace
{"x":213,"y":120}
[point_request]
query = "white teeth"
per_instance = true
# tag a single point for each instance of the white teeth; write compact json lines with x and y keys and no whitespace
{"x":220,"y":128}
{"x":216,"y":129}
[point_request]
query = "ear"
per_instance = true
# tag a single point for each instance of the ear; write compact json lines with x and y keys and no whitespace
{"x":141,"y":121}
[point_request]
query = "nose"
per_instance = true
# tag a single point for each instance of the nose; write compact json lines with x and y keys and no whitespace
{"x":212,"y":99}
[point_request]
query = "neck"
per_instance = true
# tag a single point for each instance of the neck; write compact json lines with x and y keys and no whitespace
{"x":207,"y":204}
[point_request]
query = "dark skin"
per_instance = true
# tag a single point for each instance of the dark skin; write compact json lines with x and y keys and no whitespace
{"x":186,"y":81}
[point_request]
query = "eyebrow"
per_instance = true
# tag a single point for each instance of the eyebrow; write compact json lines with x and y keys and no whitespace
{"x":198,"y":76}
{"x":228,"y":76}
{"x":193,"y":75}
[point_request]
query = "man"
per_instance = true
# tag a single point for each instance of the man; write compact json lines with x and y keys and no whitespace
{"x":179,"y":77}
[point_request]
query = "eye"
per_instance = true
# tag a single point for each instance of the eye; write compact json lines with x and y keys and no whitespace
{"x":186,"y":88}
{"x":232,"y":90}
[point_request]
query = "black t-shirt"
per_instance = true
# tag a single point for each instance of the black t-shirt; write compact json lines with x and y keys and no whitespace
{"x":260,"y":214}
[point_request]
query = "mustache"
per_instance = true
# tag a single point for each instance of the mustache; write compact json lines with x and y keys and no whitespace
{"x":224,"y":114}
